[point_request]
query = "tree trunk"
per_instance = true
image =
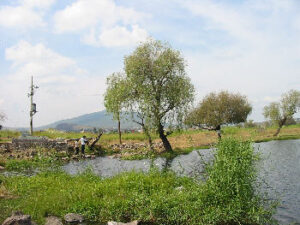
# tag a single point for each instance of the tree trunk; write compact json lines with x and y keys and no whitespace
{"x":119,"y":130}
{"x":281,"y":123}
{"x":218,"y":129}
{"x":149,"y":137}
{"x":219,"y":135}
{"x":164,"y":139}
{"x":95,"y":141}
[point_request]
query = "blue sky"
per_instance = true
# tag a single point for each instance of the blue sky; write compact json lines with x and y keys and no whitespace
{"x":70,"y":47}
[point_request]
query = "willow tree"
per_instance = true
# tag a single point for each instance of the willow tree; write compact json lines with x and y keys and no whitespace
{"x":218,"y":109}
{"x":114,"y":97}
{"x":160,"y":85}
{"x":280,"y":112}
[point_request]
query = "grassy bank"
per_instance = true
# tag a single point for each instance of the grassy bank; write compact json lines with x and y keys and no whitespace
{"x":183,"y":142}
{"x":31,"y":159}
{"x":227,"y":197}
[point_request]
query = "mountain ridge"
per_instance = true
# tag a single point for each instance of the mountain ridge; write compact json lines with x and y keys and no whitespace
{"x":100,"y":119}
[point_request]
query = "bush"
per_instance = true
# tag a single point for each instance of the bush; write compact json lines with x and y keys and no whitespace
{"x":230,"y":194}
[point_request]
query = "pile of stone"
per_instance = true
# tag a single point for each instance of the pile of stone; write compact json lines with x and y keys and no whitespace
{"x":18,"y":218}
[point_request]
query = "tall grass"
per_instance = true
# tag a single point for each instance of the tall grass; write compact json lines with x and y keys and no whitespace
{"x":227,"y":197}
{"x":230,"y":191}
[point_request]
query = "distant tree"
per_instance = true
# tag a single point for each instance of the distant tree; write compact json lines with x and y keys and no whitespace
{"x":115,"y":96}
{"x":159,"y":84}
{"x":280,"y":112}
{"x":2,"y":118}
{"x":250,"y":124}
{"x":217,"y":109}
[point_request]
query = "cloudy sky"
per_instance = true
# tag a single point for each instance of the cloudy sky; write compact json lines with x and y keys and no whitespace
{"x":71,"y":46}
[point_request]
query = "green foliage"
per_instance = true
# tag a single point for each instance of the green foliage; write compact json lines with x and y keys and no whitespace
{"x":227,"y":197}
{"x":250,"y":124}
{"x":29,"y":165}
{"x":220,"y":108}
{"x":158,"y":78}
{"x":115,"y":94}
{"x":230,"y":191}
{"x":160,"y":89}
{"x":280,"y":112}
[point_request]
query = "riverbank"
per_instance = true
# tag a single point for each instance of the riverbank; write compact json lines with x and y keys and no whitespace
{"x":226,"y":197}
{"x":134,"y":145}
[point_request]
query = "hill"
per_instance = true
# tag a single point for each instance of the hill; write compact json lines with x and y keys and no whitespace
{"x":92,"y":120}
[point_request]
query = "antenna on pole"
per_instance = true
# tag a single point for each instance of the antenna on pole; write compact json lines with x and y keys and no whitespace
{"x":32,"y":105}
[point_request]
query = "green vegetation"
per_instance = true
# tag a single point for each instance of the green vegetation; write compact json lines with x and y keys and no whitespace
{"x":115,"y":97}
{"x":160,"y":90}
{"x":183,"y":141}
{"x":41,"y":158}
{"x":280,"y":112}
{"x":9,"y":134}
{"x":227,"y":197}
{"x":218,"y":109}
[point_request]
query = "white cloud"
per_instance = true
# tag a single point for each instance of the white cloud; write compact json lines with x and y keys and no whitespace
{"x":116,"y":37}
{"x":105,"y":22}
{"x":25,"y":14}
{"x":64,"y":87}
{"x":86,"y":14}
{"x":44,"y":4}
{"x":20,"y":17}
{"x":261,"y":58}
{"x":270,"y":99}
{"x":38,"y":60}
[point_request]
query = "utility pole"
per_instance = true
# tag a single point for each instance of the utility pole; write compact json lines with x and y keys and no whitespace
{"x":32,"y":105}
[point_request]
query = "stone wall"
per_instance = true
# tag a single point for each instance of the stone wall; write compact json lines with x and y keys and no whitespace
{"x":29,"y":143}
{"x":25,"y":143}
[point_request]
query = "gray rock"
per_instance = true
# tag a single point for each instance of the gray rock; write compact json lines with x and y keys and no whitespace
{"x":52,"y":220}
{"x":18,"y":218}
{"x":119,"y":223}
{"x":73,"y":218}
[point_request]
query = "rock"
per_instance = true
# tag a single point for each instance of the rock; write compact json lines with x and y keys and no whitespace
{"x":18,"y":218}
{"x":73,"y":218}
{"x":119,"y":223}
{"x":52,"y":220}
{"x":2,"y":168}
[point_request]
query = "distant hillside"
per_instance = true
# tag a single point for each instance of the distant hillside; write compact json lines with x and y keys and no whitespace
{"x":97,"y":119}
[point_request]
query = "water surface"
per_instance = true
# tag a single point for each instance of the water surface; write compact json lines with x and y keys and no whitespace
{"x":279,"y":172}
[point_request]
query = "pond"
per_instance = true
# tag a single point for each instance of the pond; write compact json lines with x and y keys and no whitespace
{"x":279,"y":172}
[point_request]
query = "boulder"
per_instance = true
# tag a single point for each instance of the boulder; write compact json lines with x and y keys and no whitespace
{"x":52,"y":220}
{"x":73,"y":218}
{"x":18,"y":218}
{"x":2,"y":168}
{"x":119,"y":223}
